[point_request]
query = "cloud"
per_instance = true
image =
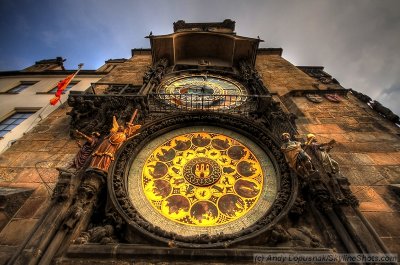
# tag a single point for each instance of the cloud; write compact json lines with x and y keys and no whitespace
{"x":390,"y":97}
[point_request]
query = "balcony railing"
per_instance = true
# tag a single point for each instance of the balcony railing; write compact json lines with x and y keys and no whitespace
{"x":233,"y":104}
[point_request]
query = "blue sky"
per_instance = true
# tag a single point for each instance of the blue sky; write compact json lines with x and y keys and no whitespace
{"x":357,"y":41}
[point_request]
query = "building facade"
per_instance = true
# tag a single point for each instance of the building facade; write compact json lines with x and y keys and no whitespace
{"x":203,"y":149}
{"x":25,"y":96}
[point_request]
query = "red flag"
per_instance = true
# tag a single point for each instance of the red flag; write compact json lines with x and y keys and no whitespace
{"x":62,"y":85}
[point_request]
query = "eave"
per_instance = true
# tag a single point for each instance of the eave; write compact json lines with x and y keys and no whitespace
{"x":216,"y":48}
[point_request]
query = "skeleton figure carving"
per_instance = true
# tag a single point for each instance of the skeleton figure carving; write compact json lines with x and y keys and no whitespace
{"x":86,"y":148}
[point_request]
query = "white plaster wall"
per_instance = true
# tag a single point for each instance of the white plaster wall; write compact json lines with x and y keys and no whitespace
{"x":29,"y":99}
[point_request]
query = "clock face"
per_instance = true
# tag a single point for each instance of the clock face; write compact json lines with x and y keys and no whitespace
{"x":197,"y":180}
{"x":202,"y":92}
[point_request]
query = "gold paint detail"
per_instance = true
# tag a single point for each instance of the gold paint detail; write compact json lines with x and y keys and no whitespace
{"x":202,"y":179}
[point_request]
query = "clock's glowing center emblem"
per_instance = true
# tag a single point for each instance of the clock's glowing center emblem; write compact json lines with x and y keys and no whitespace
{"x":202,"y":171}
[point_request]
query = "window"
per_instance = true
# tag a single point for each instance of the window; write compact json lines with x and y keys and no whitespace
{"x":21,"y":87}
{"x":13,"y":121}
{"x":70,"y":85}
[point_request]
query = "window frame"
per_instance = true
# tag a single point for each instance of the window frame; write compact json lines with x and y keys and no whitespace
{"x":16,"y":120}
{"x":54,"y":89}
{"x":21,"y":83}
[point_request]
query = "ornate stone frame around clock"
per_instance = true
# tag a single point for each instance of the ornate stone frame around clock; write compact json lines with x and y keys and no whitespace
{"x":287,"y":182}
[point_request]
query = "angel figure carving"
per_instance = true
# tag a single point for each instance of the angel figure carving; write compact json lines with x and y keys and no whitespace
{"x":104,"y":154}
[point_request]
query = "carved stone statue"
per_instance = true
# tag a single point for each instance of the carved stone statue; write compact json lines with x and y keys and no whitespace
{"x":98,"y":234}
{"x":321,"y":151}
{"x":83,"y":108}
{"x":293,"y":237}
{"x":304,"y":237}
{"x":74,"y":215}
{"x":104,"y":154}
{"x":86,"y":149}
{"x":295,"y":156}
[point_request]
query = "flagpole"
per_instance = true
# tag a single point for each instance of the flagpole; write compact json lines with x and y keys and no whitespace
{"x":79,"y":69}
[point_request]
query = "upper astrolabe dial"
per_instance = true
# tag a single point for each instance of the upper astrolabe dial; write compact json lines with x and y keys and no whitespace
{"x":202,"y":92}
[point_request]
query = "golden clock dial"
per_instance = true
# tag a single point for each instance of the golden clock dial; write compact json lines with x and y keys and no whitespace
{"x":202,"y":92}
{"x":194,"y":179}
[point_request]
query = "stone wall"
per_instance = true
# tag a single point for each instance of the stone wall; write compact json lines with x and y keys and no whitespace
{"x":129,"y":72}
{"x":280,"y":76}
{"x":27,"y":176}
{"x":368,"y":151}
{"x":368,"y":145}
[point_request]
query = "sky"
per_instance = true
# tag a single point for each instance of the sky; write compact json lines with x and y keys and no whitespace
{"x":357,"y":41}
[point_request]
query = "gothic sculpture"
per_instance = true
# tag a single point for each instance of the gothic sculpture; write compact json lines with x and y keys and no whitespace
{"x":86,"y":149}
{"x":321,"y":151}
{"x":331,"y":167}
{"x":98,"y":234}
{"x":104,"y":154}
{"x":295,"y":156}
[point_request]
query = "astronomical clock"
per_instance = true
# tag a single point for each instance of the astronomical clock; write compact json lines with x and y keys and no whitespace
{"x":199,"y":176}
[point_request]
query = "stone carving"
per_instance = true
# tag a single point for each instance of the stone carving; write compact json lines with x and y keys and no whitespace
{"x":104,"y":154}
{"x":270,"y":114}
{"x":333,"y":98}
{"x":278,"y":235}
{"x":298,"y":208}
{"x":314,"y":98}
{"x":97,"y":116}
{"x":86,"y":149}
{"x":339,"y":185}
{"x":250,"y":75}
{"x":98,"y":234}
{"x":321,"y":151}
{"x":74,"y":214}
{"x":296,"y":157}
{"x":159,"y":72}
{"x":319,"y":74}
{"x":319,"y":192}
{"x":85,"y":198}
{"x":181,"y":25}
{"x":293,"y":237}
{"x":303,"y":237}
{"x":361,"y":96}
{"x":109,"y":231}
{"x":82,"y":108}
{"x":155,"y":73}
{"x":378,"y":107}
{"x":385,"y":111}
{"x":344,"y":185}
{"x":62,"y":190}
